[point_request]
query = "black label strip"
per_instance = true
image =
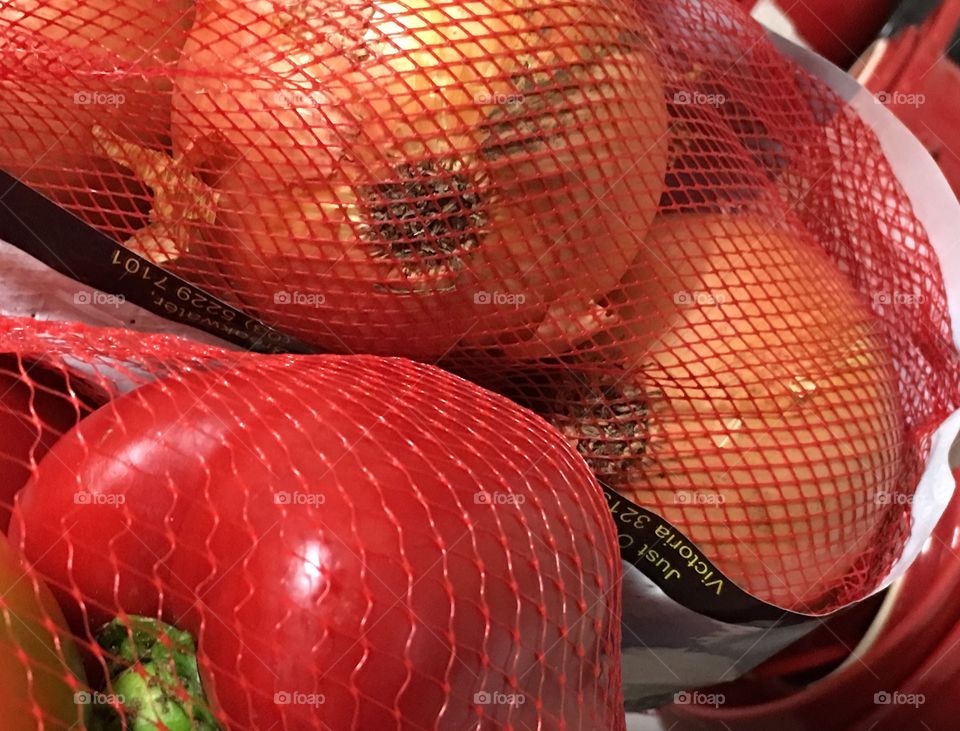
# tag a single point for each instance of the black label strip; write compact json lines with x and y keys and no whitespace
{"x":675,"y":564}
{"x":909,"y":13}
{"x":54,"y":236}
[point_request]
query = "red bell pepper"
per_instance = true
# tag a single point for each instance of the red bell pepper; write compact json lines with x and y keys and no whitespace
{"x":370,"y":542}
{"x":37,"y":406}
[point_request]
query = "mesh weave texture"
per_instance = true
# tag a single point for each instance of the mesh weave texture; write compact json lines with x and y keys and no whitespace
{"x":635,"y":218}
{"x":353,"y":541}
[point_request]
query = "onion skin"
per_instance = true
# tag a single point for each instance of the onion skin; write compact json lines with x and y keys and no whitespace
{"x":497,"y":126}
{"x":772,"y":427}
{"x":70,"y":65}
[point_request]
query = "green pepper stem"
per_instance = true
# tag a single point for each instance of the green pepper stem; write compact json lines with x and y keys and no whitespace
{"x":154,"y":680}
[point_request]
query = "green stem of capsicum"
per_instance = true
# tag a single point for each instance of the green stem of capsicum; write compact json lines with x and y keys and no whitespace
{"x":154,"y":679}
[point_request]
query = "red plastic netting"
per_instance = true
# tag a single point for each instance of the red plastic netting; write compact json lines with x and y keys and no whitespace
{"x":353,"y":542}
{"x":636,"y":218}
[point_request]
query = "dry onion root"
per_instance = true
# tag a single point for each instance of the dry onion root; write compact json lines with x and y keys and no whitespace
{"x":756,"y":409}
{"x":405,"y":174}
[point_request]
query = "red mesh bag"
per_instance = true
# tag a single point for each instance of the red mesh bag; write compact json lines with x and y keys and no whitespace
{"x":345,"y":542}
{"x":69,"y":67}
{"x":637,"y":218}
